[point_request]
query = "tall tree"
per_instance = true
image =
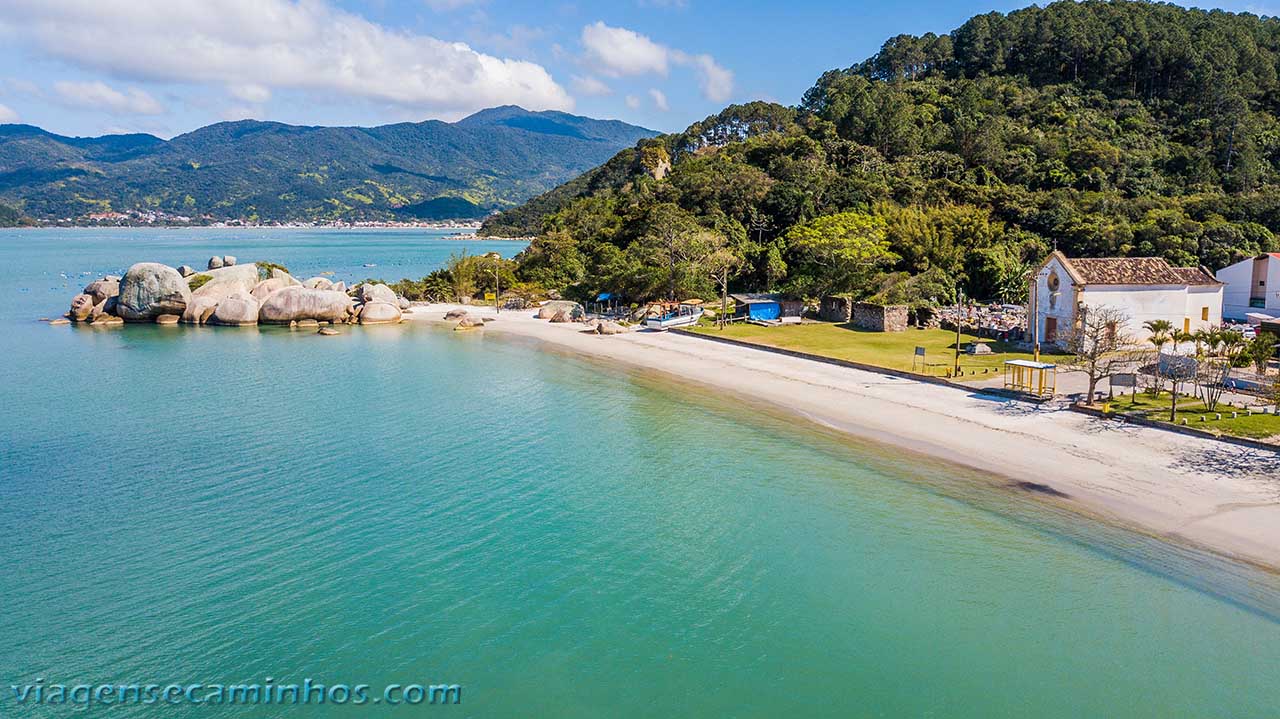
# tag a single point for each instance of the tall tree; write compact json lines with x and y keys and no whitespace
{"x":1100,"y":347}
{"x":841,"y":252}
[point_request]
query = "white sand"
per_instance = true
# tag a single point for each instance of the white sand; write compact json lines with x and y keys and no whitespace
{"x":1216,"y":495}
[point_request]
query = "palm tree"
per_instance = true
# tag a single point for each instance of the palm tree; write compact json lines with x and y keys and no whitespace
{"x":1232,"y":343}
{"x":1161,"y":331}
{"x":1179,"y":337}
{"x":1216,"y":339}
{"x":1202,"y":337}
{"x":1161,"y":328}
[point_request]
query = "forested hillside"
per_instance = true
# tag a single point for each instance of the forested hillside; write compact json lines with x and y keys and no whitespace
{"x":10,"y":217}
{"x":271,"y":171}
{"x":1106,"y":128}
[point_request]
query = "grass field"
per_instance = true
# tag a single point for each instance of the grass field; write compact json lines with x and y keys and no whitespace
{"x":892,"y":350}
{"x":1258,"y":426}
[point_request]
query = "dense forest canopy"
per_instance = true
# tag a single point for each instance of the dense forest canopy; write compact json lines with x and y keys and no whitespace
{"x":1102,"y":128}
{"x":10,"y":217}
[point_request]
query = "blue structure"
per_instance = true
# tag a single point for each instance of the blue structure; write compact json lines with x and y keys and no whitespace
{"x":606,"y":303}
{"x":765,"y":307}
{"x":763,"y":310}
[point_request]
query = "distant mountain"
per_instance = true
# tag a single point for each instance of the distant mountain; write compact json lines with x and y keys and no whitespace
{"x":267,"y":171}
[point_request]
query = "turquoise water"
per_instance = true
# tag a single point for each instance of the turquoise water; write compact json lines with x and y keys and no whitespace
{"x":563,"y":539}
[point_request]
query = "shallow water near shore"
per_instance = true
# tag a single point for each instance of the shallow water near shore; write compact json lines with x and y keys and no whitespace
{"x":561,"y":538}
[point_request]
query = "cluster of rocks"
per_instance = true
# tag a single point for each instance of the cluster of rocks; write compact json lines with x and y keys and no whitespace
{"x":464,"y":319}
{"x":559,"y":311}
{"x":1002,"y":321}
{"x":234,"y":295}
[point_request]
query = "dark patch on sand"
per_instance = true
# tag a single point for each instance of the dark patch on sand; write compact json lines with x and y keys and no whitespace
{"x":1040,"y":489}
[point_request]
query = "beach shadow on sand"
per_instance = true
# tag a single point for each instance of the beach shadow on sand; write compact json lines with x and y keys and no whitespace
{"x":1011,"y":407}
{"x":1109,"y":425}
{"x":1232,"y":461}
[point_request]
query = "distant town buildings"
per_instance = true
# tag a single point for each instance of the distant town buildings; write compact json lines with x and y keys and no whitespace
{"x":158,"y":218}
{"x":1144,"y":288}
{"x":1252,"y":287}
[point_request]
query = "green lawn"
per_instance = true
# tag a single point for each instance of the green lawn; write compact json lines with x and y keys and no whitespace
{"x":1258,"y":426}
{"x":892,"y":350}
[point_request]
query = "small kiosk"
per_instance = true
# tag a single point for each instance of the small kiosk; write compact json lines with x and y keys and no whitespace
{"x":1038,"y":379}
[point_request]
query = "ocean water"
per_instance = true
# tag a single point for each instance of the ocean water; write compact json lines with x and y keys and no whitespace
{"x":406,"y":505}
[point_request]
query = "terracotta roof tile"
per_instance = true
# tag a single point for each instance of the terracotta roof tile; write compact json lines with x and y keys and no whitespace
{"x":1138,"y":271}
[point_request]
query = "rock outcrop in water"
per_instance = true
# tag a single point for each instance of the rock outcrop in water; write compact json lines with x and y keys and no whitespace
{"x":238,"y":310}
{"x":300,"y":303}
{"x":379,"y":313}
{"x":227,"y":281}
{"x":81,"y":307}
{"x":231,"y":294}
{"x":150,"y":289}
{"x":103,"y":289}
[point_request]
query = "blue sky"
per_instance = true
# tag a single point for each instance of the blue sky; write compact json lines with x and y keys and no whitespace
{"x":87,"y":67}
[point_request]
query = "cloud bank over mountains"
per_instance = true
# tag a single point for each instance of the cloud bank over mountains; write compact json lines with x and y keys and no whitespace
{"x":233,"y":58}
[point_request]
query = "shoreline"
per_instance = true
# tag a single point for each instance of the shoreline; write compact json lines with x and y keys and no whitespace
{"x":1186,"y":490}
{"x":459,"y":228}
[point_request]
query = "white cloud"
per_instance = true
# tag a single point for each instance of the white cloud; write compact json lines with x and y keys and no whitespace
{"x":590,"y":85}
{"x":251,"y":93}
{"x":101,"y":96}
{"x":716,"y":81}
{"x":632,"y":101}
{"x":23,"y":86}
{"x":517,"y":40}
{"x":659,"y":99}
{"x":242,"y":112}
{"x":619,"y":52}
{"x":277,"y":44}
{"x":446,"y":5}
{"x":7,"y":114}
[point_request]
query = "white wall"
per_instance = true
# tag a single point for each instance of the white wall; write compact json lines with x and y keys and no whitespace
{"x":1239,"y":288}
{"x":1200,"y":297}
{"x":1060,"y":305}
{"x":1144,"y":303}
{"x":1235,"y":296}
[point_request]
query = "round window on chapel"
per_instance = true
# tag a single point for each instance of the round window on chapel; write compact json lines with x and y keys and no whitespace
{"x":1053,"y":283}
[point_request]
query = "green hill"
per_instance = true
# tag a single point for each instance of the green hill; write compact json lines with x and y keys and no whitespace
{"x":1106,"y":128}
{"x":10,"y":217}
{"x":271,"y":171}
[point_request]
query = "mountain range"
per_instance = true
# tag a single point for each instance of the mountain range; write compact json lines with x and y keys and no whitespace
{"x":269,"y":171}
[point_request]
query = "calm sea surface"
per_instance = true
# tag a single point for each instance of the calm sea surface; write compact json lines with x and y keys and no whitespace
{"x":413,"y":506}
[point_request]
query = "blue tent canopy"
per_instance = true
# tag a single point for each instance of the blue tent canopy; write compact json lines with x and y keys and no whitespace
{"x":604,"y":297}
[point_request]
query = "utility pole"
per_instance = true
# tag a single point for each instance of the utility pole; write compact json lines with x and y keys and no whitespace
{"x":959,"y":301}
{"x":1033,"y":313}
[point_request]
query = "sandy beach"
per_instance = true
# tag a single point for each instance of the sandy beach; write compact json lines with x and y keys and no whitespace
{"x":1214,"y":495}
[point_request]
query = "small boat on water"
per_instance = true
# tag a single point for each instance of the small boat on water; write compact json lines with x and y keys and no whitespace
{"x":683,"y":314}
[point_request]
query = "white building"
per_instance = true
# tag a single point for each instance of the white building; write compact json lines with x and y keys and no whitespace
{"x":1145,"y":288}
{"x":1252,"y":286}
